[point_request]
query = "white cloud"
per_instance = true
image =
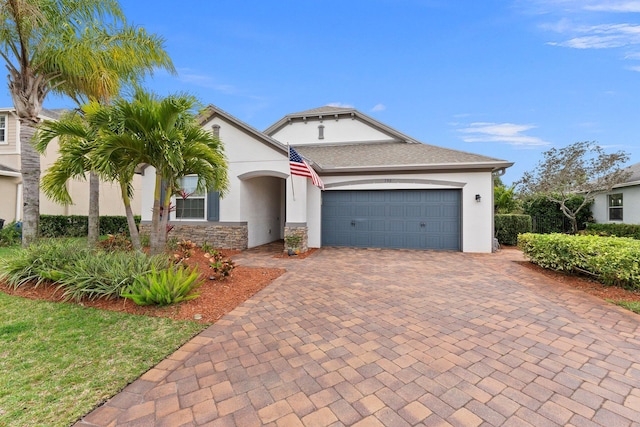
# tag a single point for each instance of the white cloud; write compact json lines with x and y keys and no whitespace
{"x":603,"y":36}
{"x":634,"y":68}
{"x":206,"y":81}
{"x":614,"y":6}
{"x":378,"y":107}
{"x":508,"y":133}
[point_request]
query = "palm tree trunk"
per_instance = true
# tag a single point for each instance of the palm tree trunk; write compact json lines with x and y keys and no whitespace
{"x":131,"y":222}
{"x":30,"y":168}
{"x":94,"y":209}
{"x":155,"y":218}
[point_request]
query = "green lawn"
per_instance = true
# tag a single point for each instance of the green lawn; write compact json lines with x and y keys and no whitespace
{"x":629,"y":305}
{"x":58,"y":361}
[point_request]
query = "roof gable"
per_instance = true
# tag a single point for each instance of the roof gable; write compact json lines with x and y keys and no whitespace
{"x":211,"y":111}
{"x":329,"y":114}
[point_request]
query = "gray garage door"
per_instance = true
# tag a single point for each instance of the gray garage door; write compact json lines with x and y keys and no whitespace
{"x":411,"y":219}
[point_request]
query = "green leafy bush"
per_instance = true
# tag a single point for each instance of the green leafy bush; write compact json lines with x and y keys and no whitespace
{"x":77,"y":270}
{"x":77,"y":225}
{"x":105,"y":274}
{"x":164,"y":287}
{"x":10,"y":234}
{"x":548,"y":218}
{"x":41,"y":262}
{"x":509,"y":226}
{"x":615,"y":229}
{"x":613,"y":260}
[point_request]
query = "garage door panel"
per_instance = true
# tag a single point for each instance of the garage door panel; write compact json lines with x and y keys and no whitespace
{"x":413,"y":211}
{"x":415,"y":219}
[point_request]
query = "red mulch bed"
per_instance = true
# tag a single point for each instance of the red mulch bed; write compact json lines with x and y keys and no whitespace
{"x":217,"y":297}
{"x":585,"y":284}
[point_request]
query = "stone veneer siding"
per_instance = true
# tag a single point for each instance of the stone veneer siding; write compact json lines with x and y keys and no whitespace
{"x":299,"y":231}
{"x":217,"y":235}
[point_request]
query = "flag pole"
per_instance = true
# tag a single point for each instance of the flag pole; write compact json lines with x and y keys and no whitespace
{"x":293,"y":190}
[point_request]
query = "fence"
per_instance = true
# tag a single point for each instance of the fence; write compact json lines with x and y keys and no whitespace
{"x":545,"y":225}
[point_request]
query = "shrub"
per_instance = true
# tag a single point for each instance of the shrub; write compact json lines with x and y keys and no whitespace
{"x":613,"y":260}
{"x":221,"y":266}
{"x":509,"y":226}
{"x":77,"y":225}
{"x":548,"y":218}
{"x":77,"y":270}
{"x":40,"y":262}
{"x":116,"y":242}
{"x":164,"y":287}
{"x":10,"y":235}
{"x":615,"y":229}
{"x":105,"y":274}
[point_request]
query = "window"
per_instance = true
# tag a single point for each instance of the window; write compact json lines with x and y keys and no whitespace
{"x":615,"y":207}
{"x":193,"y":206}
{"x":3,"y":130}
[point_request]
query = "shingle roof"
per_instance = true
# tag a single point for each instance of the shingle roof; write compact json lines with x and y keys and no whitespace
{"x":635,"y":173}
{"x":327,"y":109}
{"x":394,"y":156}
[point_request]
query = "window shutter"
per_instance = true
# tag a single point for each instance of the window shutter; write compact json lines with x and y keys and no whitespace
{"x":213,"y":206}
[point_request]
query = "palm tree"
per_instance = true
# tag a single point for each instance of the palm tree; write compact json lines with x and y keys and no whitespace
{"x":78,"y":135}
{"x":165,"y":134}
{"x":80,"y":48}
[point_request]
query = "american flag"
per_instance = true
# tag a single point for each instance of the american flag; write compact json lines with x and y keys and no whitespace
{"x":299,"y":166}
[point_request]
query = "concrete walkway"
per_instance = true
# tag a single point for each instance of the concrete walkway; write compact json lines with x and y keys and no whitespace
{"x":398,"y":338}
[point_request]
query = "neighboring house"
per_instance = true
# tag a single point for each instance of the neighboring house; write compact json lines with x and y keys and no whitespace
{"x":382,"y":188}
{"x":11,"y":186}
{"x":622,"y":203}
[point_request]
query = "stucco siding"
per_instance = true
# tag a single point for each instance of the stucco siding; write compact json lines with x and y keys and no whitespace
{"x":8,"y":189}
{"x":342,"y":130}
{"x":631,"y":206}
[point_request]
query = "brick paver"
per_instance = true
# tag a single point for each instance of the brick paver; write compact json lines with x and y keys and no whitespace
{"x":393,"y":337}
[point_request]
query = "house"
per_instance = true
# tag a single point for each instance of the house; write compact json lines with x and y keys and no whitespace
{"x":382,"y":188}
{"x":11,"y":186}
{"x":622,"y":203}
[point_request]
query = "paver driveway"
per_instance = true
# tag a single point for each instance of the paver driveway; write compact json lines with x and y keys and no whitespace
{"x":396,"y":338}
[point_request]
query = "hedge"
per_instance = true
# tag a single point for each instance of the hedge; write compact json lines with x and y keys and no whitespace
{"x":612,"y":260}
{"x":616,"y":229}
{"x":77,"y":225}
{"x":508,"y":227}
{"x":548,"y":218}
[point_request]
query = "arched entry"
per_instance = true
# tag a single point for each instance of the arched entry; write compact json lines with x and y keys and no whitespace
{"x":263,"y":204}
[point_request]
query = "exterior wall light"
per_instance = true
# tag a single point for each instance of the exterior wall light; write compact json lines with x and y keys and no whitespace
{"x":478,"y":198}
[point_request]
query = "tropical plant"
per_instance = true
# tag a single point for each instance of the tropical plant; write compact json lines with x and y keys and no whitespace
{"x":78,"y":271}
{"x":221,"y":266}
{"x":164,"y":287}
{"x":78,"y":48}
{"x":79,"y":135}
{"x":163,"y":133}
{"x":505,"y":198}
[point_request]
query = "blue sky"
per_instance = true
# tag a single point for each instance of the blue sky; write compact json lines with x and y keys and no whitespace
{"x":504,"y":78}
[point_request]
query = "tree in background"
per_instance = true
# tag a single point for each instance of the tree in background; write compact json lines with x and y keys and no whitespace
{"x":79,"y":48}
{"x":582,"y":168}
{"x":505,"y":199}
